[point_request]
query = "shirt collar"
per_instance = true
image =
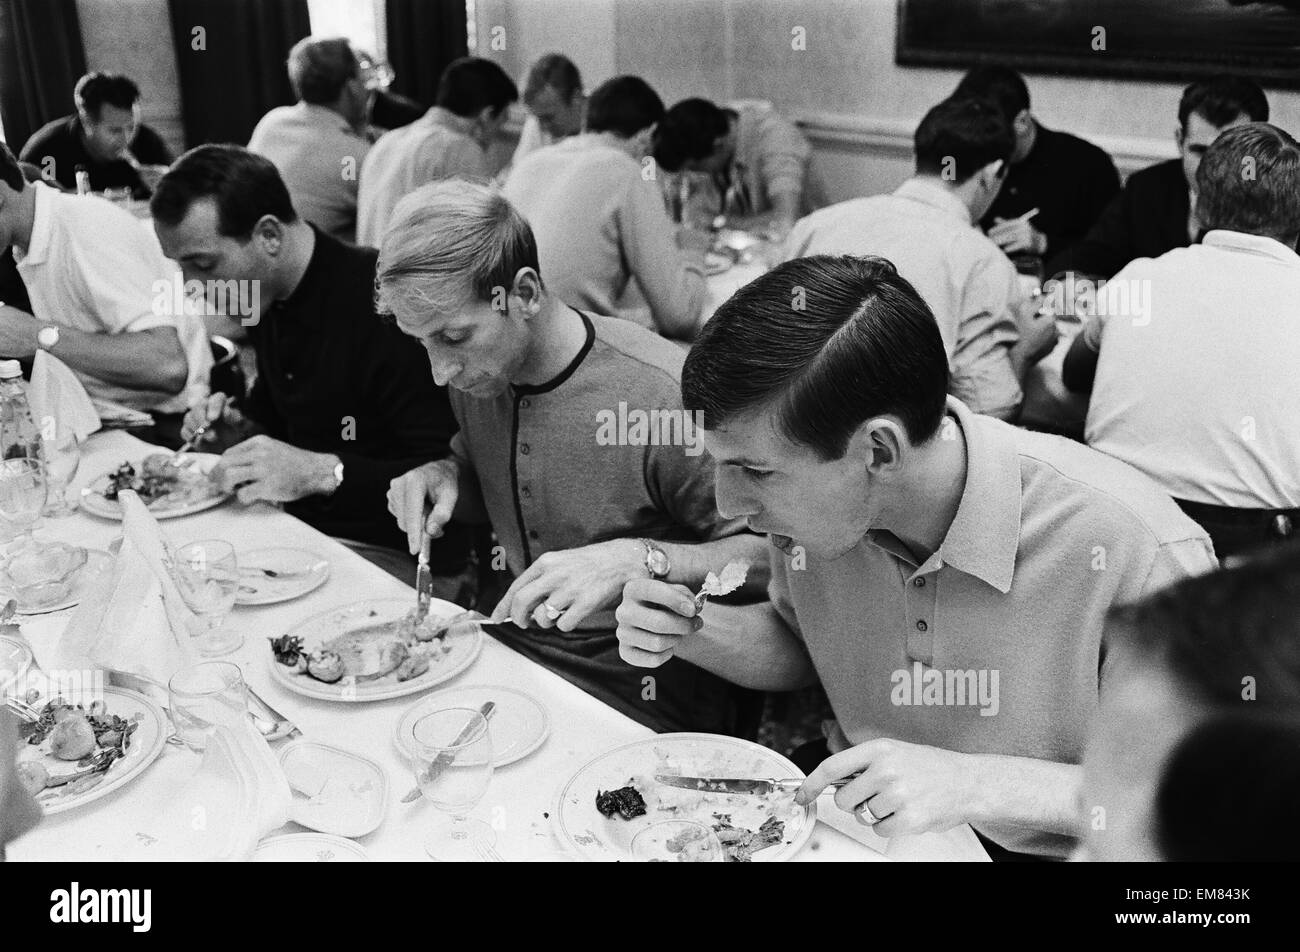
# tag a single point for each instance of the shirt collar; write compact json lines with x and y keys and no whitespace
{"x":324,"y":115}
{"x":985,"y":534}
{"x":38,"y":249}
{"x":931,"y":193}
{"x":438,"y":116}
{"x":1251,"y":244}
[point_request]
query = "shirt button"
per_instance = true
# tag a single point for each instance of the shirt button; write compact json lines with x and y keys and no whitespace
{"x":526,"y":492}
{"x":919,"y":582}
{"x":523,"y":448}
{"x":532,"y":534}
{"x":922,"y":626}
{"x":525,"y":403}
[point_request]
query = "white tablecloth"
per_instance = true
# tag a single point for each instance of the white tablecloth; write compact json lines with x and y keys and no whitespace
{"x":521,"y":793}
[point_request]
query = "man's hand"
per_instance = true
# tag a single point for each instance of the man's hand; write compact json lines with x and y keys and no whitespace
{"x":653,"y":618}
{"x":261,"y":468}
{"x":1016,"y":234}
{"x":18,"y":331}
{"x":217,"y":408}
{"x":909,"y":788}
{"x":562,"y":588}
{"x":1038,"y":336}
{"x":438,"y":483}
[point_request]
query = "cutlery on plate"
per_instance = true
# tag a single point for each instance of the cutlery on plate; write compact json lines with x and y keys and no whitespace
{"x":745,"y":785}
{"x":275,"y":726}
{"x":22,"y":709}
{"x":192,"y":442}
{"x":445,"y":758}
{"x":280,"y":574}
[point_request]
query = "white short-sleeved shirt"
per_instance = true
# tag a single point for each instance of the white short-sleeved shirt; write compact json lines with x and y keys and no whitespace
{"x":91,"y":266}
{"x":1196,"y":381}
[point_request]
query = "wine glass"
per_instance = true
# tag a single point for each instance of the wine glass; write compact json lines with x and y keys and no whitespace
{"x":22,"y":494}
{"x":62,"y":459}
{"x":204,"y":696}
{"x":207,"y":576}
{"x":453,"y":766}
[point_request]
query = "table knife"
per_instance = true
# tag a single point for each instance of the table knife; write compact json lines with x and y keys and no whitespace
{"x":445,"y":758}
{"x":745,"y":785}
{"x":423,"y":578}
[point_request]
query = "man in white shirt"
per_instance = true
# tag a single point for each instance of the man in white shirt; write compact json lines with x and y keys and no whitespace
{"x":449,"y":140}
{"x":1192,"y":356}
{"x":96,"y":278}
{"x":555,"y":102}
{"x":600,"y":221}
{"x":926,"y":229}
{"x":319,"y":144}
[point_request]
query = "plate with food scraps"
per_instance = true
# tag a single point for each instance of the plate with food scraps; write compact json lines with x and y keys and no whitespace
{"x":15,"y":659}
{"x":374,"y":650}
{"x":79,"y":752}
{"x":168,"y":489}
{"x":519,"y":723}
{"x":613,"y":798}
{"x":270,"y":576}
{"x":309,"y":848}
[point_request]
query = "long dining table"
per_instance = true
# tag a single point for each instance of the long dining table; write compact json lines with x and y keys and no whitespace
{"x":521,"y":799}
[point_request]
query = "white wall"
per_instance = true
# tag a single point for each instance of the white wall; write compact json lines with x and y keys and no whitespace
{"x":858,"y":107}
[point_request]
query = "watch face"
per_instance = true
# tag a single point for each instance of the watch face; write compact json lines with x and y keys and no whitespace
{"x":657,"y":562}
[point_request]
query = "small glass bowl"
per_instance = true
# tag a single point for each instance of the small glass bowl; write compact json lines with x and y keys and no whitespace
{"x":42,"y":574}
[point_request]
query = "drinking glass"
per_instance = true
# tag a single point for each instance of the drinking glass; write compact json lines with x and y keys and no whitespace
{"x":62,"y":459}
{"x":207,"y":576}
{"x":119,"y":196}
{"x":204,"y":696}
{"x":453,"y":766}
{"x":22,"y":493}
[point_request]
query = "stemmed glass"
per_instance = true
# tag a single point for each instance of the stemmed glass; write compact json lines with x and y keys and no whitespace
{"x":453,"y":766}
{"x":62,"y":459}
{"x":22,"y":494}
{"x":207,"y":576}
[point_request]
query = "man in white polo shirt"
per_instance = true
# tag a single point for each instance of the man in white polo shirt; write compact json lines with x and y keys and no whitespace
{"x":93,"y":274}
{"x":1192,"y":357}
{"x":945,"y":575}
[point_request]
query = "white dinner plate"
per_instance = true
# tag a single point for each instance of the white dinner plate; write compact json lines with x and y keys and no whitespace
{"x":15,"y":659}
{"x":464,"y":645}
{"x":96,"y":503}
{"x":518,"y":726}
{"x":309,"y":848}
{"x":146,"y":744}
{"x":590,"y":835}
{"x":299,"y":572}
{"x":96,"y":562}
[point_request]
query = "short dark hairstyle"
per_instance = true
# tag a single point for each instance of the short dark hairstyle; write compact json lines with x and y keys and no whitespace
{"x":95,"y":89}
{"x":1220,"y":99}
{"x":1002,"y":84}
{"x":471,"y":84}
{"x":960,"y":136}
{"x":1248,"y":768}
{"x":689,"y":131}
{"x":1211,"y":631}
{"x":557,"y":71}
{"x":244,"y":185}
{"x":11,"y":173}
{"x":623,"y":105}
{"x":1249,"y":181}
{"x":828,"y":342}
{"x":319,"y":68}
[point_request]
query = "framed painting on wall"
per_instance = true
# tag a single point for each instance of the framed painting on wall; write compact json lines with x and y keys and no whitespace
{"x":1174,"y":40}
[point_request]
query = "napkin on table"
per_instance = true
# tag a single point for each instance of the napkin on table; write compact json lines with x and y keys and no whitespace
{"x":55,"y":394}
{"x":133,"y":618}
{"x":238,"y":796}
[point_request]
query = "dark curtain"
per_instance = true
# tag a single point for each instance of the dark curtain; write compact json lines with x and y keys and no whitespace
{"x":423,"y":37}
{"x":231,"y":56}
{"x":41,"y":59}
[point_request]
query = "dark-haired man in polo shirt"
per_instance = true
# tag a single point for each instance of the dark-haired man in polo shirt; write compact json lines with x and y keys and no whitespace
{"x":572,"y":442}
{"x":946,"y":575}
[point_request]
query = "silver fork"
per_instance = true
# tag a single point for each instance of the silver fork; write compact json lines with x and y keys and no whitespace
{"x":22,"y":709}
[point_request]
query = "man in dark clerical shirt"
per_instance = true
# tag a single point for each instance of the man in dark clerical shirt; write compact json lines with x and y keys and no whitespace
{"x":104,"y":136}
{"x":1153,"y":214}
{"x":343,"y":402}
{"x":1069,"y":181}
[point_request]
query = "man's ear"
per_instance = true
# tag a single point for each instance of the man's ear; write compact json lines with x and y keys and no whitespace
{"x":269,"y":234}
{"x":527,"y":287}
{"x":882,"y":445}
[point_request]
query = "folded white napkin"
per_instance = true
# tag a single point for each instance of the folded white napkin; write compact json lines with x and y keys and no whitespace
{"x":58,"y":400}
{"x":118,"y":416}
{"x":238,"y":796}
{"x":133,"y":618}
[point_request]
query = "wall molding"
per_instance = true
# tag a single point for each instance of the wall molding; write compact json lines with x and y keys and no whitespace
{"x":892,"y":138}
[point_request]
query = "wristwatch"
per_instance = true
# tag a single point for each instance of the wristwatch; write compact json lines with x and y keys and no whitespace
{"x":47,"y":337}
{"x":656,"y":560}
